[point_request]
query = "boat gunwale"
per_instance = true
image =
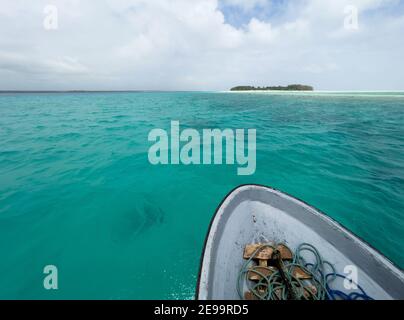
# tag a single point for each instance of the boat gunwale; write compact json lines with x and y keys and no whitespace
{"x":320,"y":214}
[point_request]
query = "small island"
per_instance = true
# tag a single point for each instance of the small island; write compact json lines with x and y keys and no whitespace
{"x":292,"y":87}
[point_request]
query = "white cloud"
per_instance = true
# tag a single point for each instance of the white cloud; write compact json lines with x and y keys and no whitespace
{"x":183,"y":44}
{"x":59,"y":66}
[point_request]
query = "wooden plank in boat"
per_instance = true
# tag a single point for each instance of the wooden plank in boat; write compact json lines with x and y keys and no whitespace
{"x":299,"y":273}
{"x":266,"y":271}
{"x":266,"y":253}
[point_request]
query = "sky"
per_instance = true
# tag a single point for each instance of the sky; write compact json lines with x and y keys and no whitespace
{"x":201,"y":44}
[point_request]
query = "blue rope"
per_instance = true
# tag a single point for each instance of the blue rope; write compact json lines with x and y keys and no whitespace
{"x":272,"y":287}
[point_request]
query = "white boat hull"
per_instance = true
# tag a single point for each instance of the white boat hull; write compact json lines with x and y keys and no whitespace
{"x":258,"y":214}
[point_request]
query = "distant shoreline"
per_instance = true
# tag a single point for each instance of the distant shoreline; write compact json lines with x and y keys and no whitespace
{"x":316,"y":91}
{"x":337,"y":94}
{"x":77,"y":91}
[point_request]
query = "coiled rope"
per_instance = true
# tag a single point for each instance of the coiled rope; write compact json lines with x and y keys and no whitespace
{"x":281,"y":283}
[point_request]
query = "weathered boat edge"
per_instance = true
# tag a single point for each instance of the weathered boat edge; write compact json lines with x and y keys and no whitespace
{"x":394,"y":269}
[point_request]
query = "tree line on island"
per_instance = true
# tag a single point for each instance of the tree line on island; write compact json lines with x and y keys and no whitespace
{"x":292,"y":87}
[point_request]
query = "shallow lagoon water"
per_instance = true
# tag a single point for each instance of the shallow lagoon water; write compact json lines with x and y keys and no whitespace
{"x":77,"y":190}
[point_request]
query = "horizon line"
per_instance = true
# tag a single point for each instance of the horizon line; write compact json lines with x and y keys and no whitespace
{"x":179,"y":90}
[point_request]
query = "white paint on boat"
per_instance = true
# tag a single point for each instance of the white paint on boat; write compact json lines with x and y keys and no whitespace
{"x":258,"y":214}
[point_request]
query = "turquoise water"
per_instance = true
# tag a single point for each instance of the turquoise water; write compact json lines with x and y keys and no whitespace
{"x":77,"y":190}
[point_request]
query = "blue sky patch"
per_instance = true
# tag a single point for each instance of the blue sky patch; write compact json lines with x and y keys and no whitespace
{"x":239,"y":15}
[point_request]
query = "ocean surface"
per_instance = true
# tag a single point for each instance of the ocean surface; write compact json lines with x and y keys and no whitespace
{"x":77,"y":190}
